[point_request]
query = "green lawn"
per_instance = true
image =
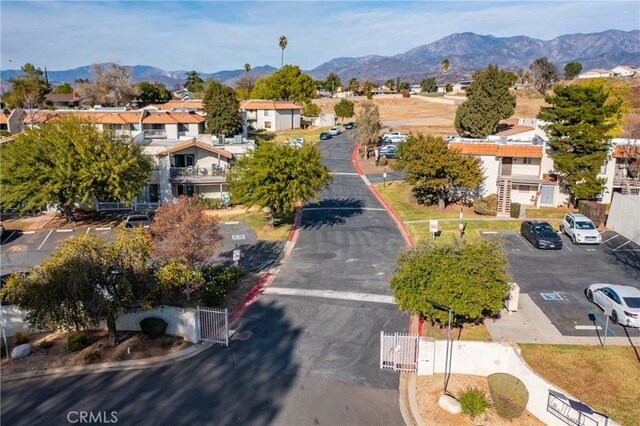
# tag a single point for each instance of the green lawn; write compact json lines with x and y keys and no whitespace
{"x":548,"y":212}
{"x":608,"y":379}
{"x":257,"y":222}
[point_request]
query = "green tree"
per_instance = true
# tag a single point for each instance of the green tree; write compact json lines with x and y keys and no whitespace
{"x":429,"y":85}
{"x":368,"y":127}
{"x":444,"y":67}
{"x":311,"y":110}
{"x":150,"y":93}
{"x":193,"y":82}
{"x":287,"y":84}
{"x":332,"y":82}
{"x":283,"y":45}
{"x":28,"y":90}
{"x":278,"y":177}
{"x":367,"y":88}
{"x":437,"y":173}
{"x":85,"y":282}
{"x":354,"y":85}
{"x":390,"y":84}
{"x":404,"y":85}
{"x":67,"y":161}
{"x":488,"y":102}
{"x":572,"y":69}
{"x":222,"y":108}
{"x":344,"y":109}
{"x":545,"y":74}
{"x":580,"y":120}
{"x":64,"y":88}
{"x":470,"y":277}
{"x":247,"y":68}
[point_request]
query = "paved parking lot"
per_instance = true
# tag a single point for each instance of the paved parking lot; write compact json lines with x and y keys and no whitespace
{"x":556,"y":279}
{"x":21,"y":249}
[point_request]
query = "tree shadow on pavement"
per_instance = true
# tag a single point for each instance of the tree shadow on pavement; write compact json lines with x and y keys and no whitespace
{"x":255,"y":257}
{"x":245,"y":383}
{"x":330,"y":212}
{"x":629,"y":262}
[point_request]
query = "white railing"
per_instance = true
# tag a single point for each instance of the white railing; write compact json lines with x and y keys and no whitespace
{"x":399,"y":352}
{"x":213,"y":325}
{"x":195,"y":172}
{"x":149,"y":133}
{"x":106,"y":206}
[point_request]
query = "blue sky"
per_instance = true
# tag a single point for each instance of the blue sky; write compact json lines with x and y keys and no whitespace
{"x":215,"y":35}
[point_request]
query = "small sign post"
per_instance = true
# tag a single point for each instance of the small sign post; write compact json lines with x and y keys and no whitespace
{"x":433,"y":228}
{"x":384,"y":179}
{"x":607,"y":313}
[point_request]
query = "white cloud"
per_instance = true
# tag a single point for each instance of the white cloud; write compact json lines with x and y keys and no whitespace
{"x":211,"y":36}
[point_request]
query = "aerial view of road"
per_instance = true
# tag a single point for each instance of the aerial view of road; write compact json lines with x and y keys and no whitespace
{"x":299,"y":356}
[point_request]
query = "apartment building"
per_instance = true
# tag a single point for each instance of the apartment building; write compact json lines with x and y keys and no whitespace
{"x":622,"y":169}
{"x":271,"y":115}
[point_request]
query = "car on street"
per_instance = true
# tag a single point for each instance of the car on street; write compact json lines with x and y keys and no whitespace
{"x":334,"y":131}
{"x":295,"y":142}
{"x":541,"y":235}
{"x":349,"y":125}
{"x":324,"y":136}
{"x":388,"y":151}
{"x":621,"y":302}
{"x":580,"y":229}
{"x":137,"y":221}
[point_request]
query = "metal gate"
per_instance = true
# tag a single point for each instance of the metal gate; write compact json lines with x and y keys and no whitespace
{"x":213,"y":325}
{"x":398,"y":351}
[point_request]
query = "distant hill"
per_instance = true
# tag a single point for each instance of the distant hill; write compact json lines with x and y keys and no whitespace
{"x":465,"y":51}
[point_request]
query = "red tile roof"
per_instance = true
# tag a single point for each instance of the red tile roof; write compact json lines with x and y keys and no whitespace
{"x":171,"y":117}
{"x":190,"y":103}
{"x":498,"y":150}
{"x":626,"y":151}
{"x":198,"y":144}
{"x":260,"y":104}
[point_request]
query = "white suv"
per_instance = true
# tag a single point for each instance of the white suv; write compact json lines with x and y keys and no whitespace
{"x":580,"y":229}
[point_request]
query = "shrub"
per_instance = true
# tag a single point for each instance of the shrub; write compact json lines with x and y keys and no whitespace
{"x":394,"y":164}
{"x":509,"y":395}
{"x":77,"y":342}
{"x":486,"y":205}
{"x":595,"y":211}
{"x":473,"y":402}
{"x":22,"y":337}
{"x":382,"y":161}
{"x":45,"y":344}
{"x":90,"y":355}
{"x":217,"y":280}
{"x":515,"y":210}
{"x":166,"y":342}
{"x":213,"y":294}
{"x":153,"y":327}
{"x":211,"y":203}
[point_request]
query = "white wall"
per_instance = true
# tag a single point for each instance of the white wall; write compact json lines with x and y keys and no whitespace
{"x":180,"y":322}
{"x":484,"y":359}
{"x":523,"y":198}
{"x":491,"y":167}
{"x":163,"y":179}
{"x":624,"y":216}
{"x":519,"y":168}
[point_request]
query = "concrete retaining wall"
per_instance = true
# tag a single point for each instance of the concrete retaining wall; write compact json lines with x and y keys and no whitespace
{"x":624,"y":216}
{"x":180,"y":322}
{"x":484,"y":359}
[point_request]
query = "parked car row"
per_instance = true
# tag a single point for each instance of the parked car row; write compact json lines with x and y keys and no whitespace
{"x":579,"y":228}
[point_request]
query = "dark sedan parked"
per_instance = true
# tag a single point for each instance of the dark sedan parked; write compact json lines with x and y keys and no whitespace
{"x":541,"y":235}
{"x":324,"y":136}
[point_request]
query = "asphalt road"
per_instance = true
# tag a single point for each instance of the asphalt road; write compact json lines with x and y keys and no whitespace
{"x":296,"y":359}
{"x":556,"y":279}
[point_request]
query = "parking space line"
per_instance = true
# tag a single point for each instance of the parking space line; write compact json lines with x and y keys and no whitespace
{"x":45,"y":239}
{"x":232,"y":223}
{"x":609,"y":239}
{"x":103,"y":229}
{"x":28,"y":232}
{"x":85,"y":234}
{"x":10,"y":235}
{"x":526,"y":243}
{"x":64,"y":230}
{"x":621,"y":245}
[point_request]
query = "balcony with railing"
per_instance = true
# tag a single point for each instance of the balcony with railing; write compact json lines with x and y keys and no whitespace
{"x":195,"y":174}
{"x":155,"y":133}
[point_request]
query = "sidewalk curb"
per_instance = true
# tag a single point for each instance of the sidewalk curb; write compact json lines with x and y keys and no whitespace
{"x":137,"y":364}
{"x":258,"y":290}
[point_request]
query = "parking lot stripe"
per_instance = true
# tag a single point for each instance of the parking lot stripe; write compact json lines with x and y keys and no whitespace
{"x":10,"y":235}
{"x":108,"y":228}
{"x":85,"y":234}
{"x":526,"y":243}
{"x":621,"y":245}
{"x":588,"y":327}
{"x":29,"y":232}
{"x":45,"y":239}
{"x":64,"y":230}
{"x":609,"y":239}
{"x":232,"y":223}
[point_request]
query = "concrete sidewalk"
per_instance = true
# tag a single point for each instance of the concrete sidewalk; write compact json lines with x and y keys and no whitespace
{"x":530,"y":325}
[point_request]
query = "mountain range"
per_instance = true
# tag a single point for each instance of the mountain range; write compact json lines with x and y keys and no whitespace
{"x":465,"y":51}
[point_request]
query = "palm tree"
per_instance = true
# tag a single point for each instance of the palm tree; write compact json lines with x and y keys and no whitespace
{"x":445,"y":67}
{"x":283,"y":45}
{"x":247,"y":67}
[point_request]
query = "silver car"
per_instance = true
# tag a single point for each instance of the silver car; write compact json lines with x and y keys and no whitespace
{"x":622,"y":303}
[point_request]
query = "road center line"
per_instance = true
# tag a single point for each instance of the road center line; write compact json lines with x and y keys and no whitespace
{"x":45,"y":239}
{"x":330,"y":294}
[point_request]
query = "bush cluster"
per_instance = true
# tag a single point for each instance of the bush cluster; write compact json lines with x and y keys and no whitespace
{"x":218,"y":281}
{"x":486,"y":205}
{"x":515,"y":210}
{"x":595,"y":211}
{"x":473,"y":402}
{"x":22,"y":337}
{"x":91,"y":355}
{"x":77,"y":342}
{"x":509,"y":395}
{"x":212,"y":203}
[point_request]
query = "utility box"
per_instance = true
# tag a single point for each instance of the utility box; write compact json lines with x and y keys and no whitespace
{"x":511,"y":301}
